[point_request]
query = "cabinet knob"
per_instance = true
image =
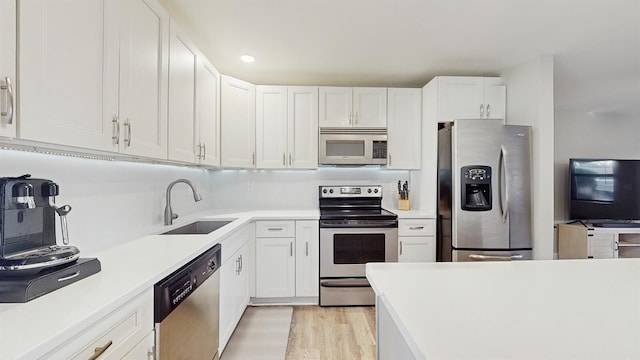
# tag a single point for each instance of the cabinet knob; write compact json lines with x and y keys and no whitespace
{"x":481,"y":111}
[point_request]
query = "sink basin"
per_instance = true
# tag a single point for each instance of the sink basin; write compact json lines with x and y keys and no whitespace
{"x":198,"y":227}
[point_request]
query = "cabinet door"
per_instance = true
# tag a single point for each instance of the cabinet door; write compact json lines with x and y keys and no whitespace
{"x":370,"y":107}
{"x":143,"y":350}
{"x":144,"y":61}
{"x":62,"y":61}
{"x":303,"y":127}
{"x":275,"y":267}
{"x":495,"y":98}
{"x":335,"y":106}
{"x":460,"y":97}
{"x":601,"y":246}
{"x":182,"y":97}
{"x":416,"y":249}
{"x":237,"y":120}
{"x":8,"y":68}
{"x":307,"y":257}
{"x":242,"y":282}
{"x":228,"y":276}
{"x":207,"y":117}
{"x":404,"y":128}
{"x":271,"y":127}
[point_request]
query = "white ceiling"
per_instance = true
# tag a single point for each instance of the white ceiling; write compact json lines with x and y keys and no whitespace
{"x":595,"y":43}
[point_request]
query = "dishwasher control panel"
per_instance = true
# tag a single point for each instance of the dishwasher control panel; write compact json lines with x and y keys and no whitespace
{"x":171,"y":291}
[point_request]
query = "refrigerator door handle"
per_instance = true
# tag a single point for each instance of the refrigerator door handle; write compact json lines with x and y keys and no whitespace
{"x":502,"y":171}
{"x":495,"y":257}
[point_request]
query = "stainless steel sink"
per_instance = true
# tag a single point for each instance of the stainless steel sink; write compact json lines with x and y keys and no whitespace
{"x":200,"y":227}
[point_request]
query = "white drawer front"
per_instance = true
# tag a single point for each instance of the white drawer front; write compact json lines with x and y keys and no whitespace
{"x":120,"y":331}
{"x":273,"y":229}
{"x":416,"y":227}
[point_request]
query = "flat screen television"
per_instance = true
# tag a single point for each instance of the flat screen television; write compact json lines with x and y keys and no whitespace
{"x":605,"y":191}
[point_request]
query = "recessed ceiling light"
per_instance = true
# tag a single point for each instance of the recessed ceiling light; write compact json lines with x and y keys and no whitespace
{"x":247,"y":58}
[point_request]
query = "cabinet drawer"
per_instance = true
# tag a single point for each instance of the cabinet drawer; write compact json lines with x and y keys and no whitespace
{"x":276,"y":229}
{"x":416,"y":227}
{"x":122,"y":329}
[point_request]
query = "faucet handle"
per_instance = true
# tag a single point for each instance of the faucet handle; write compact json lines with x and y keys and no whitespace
{"x":174,"y":216}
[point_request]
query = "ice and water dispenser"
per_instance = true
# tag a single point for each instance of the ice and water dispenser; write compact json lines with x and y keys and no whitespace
{"x":476,"y":187}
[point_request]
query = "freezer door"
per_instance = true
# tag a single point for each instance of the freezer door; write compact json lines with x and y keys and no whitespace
{"x":504,"y":152}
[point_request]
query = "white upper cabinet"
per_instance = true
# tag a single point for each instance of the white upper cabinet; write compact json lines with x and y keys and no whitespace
{"x":183,"y":64}
{"x":62,"y":64}
{"x":353,"y":107}
{"x":93,"y":74}
{"x":468,"y":97}
{"x":237,"y":119}
{"x":287,"y":127}
{"x":7,"y":68}
{"x":144,"y":67}
{"x":404,"y":128}
{"x":302,"y":124}
{"x":208,"y":113}
{"x":271,"y":127}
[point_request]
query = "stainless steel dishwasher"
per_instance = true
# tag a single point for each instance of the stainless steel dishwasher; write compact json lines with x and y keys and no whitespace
{"x":186,"y":310}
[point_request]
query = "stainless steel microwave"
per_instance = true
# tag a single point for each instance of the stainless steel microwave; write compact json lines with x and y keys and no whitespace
{"x":351,"y":146}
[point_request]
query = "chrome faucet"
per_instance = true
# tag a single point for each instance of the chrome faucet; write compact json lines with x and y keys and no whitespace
{"x":169,"y":216}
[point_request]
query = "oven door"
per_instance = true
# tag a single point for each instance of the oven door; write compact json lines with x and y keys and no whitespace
{"x":345,"y":251}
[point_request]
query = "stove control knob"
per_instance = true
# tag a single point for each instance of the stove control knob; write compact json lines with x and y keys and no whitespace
{"x":375,"y":191}
{"x":331,"y":191}
{"x":369,"y":190}
{"x":324,"y":191}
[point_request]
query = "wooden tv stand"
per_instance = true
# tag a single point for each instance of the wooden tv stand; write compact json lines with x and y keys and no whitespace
{"x":577,"y":241}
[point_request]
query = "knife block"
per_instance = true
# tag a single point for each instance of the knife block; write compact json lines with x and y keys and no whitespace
{"x":404,"y":204}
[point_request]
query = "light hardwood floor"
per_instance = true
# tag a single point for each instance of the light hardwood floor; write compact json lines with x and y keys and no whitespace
{"x":332,"y":333}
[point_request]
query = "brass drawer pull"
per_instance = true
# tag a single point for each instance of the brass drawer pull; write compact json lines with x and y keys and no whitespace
{"x":100,"y":350}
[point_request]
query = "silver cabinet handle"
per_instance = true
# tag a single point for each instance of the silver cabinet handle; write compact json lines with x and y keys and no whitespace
{"x":284,"y":159}
{"x":291,"y":248}
{"x":275,"y":229}
{"x":238,"y":265}
{"x":350,"y":118}
{"x":290,"y":159}
{"x":488,"y":111}
{"x":495,"y":257}
{"x":127,"y":133}
{"x":389,"y":157}
{"x":204,"y":151}
{"x":199,"y":155}
{"x":253,"y":158}
{"x":116,"y":130}
{"x":416,"y":227}
{"x":481,"y":111}
{"x":400,"y":247}
{"x":100,"y":350}
{"x":241,"y":264}
{"x":356,"y":119}
{"x":9,"y":113}
{"x":307,"y":248}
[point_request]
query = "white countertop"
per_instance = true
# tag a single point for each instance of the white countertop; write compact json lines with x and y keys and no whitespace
{"x":556,"y":309}
{"x":30,"y":330}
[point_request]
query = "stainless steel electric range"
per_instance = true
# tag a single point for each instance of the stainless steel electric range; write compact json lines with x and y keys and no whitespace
{"x":354,"y":230}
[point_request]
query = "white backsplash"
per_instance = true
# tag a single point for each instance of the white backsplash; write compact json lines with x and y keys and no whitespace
{"x":116,"y":201}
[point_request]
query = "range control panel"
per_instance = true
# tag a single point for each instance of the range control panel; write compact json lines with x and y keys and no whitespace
{"x":368,"y":191}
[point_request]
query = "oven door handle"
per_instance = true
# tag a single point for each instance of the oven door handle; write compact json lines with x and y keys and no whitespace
{"x":348,"y":282}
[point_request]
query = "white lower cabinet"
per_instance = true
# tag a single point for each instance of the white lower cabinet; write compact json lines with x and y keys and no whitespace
{"x":416,"y":240}
{"x":144,"y":349}
{"x":234,"y":283}
{"x":116,"y":335}
{"x":287,"y":259}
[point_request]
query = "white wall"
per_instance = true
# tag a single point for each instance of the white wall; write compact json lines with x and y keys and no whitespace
{"x":111,"y":201}
{"x":296,"y":189}
{"x":530,"y":102}
{"x":596,"y":135}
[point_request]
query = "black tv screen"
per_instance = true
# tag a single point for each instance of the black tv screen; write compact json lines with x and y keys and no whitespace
{"x":604,"y":190}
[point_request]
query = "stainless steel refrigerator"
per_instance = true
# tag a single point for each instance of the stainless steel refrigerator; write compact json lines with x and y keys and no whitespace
{"x":484,"y":191}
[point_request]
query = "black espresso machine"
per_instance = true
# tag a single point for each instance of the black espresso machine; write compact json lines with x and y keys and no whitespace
{"x":31,"y":262}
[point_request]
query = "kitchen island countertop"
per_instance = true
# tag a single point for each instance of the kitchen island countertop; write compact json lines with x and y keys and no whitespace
{"x":545,"y":309}
{"x":33,"y":329}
